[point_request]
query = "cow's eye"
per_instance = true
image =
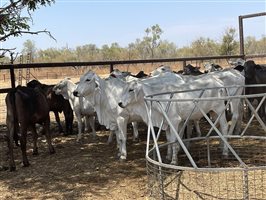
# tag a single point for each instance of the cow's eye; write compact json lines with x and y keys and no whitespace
{"x":130,"y":90}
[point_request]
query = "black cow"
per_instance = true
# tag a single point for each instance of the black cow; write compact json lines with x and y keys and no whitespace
{"x":191,"y":70}
{"x":25,"y":108}
{"x":256,"y":74}
{"x":57,"y":104}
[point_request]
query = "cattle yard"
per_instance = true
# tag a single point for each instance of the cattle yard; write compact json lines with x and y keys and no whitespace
{"x":91,"y":170}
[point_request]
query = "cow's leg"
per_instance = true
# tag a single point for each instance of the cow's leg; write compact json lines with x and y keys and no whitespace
{"x":235,"y":115}
{"x":68,"y":113}
{"x":173,"y":138}
{"x":110,"y":137}
{"x":91,"y":120}
{"x":135,"y":131}
{"x":35,"y":137}
{"x":169,"y":147}
{"x":23,"y":143}
{"x":48,"y":136}
{"x":10,"y":137}
{"x":86,"y":123}
{"x":240,"y":108}
{"x":224,"y":130}
{"x":79,"y":119}
{"x":122,"y":127}
{"x":197,"y":126}
{"x":58,"y":122}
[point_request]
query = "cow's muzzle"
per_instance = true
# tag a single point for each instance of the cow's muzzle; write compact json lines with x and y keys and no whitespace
{"x":75,"y":93}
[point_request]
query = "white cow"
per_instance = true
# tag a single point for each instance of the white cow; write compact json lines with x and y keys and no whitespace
{"x":104,"y":96}
{"x":133,"y":100}
{"x":81,"y":108}
{"x":229,"y":77}
{"x":161,"y":69}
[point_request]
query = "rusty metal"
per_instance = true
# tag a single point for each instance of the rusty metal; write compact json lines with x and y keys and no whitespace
{"x":118,"y":62}
{"x":241,"y":28}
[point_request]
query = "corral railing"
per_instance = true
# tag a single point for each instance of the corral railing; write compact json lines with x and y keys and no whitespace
{"x":11,"y":67}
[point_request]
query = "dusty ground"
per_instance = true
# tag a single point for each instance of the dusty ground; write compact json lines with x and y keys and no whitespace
{"x":78,"y":171}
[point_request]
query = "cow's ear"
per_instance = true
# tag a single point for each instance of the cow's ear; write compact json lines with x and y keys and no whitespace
{"x":136,"y":92}
{"x":97,"y":81}
{"x":113,"y":75}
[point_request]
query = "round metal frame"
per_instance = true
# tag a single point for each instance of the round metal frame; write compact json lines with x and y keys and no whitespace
{"x":203,"y":172}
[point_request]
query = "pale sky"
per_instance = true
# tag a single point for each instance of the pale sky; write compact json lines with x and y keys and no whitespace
{"x":75,"y":23}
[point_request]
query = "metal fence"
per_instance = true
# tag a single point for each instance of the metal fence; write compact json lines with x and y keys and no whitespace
{"x":203,"y":171}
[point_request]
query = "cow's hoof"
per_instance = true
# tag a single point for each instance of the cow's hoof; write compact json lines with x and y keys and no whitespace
{"x":35,"y":153}
{"x":122,"y":159}
{"x":52,"y":151}
{"x":26,"y":164}
{"x":12,"y":168}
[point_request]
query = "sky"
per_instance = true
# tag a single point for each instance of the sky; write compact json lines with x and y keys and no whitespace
{"x":79,"y":22}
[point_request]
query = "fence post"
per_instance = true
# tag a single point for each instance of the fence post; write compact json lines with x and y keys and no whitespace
{"x":111,"y":67}
{"x":184,"y":64}
{"x":12,"y":76}
{"x":241,"y":35}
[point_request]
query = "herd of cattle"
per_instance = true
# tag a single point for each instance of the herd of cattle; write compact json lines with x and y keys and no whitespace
{"x":118,"y":100}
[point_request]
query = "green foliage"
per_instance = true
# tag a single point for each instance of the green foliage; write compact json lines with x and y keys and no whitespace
{"x":229,"y":44}
{"x":14,"y":22}
{"x":150,"y":46}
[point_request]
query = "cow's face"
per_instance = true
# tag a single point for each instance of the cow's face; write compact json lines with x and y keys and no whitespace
{"x":161,"y":69}
{"x":130,"y":94}
{"x":87,"y":85}
{"x":61,"y":87}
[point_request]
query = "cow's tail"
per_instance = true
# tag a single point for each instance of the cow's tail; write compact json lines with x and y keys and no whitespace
{"x":12,"y":100}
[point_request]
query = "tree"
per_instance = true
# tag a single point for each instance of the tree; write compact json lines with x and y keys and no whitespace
{"x":229,"y":44}
{"x":152,"y":39}
{"x":204,"y":47}
{"x":29,"y":48}
{"x":14,"y":22}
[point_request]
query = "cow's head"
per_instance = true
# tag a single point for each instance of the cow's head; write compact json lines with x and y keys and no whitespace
{"x":61,"y":87}
{"x":161,"y":69}
{"x":249,"y":68}
{"x":87,"y":84}
{"x":131,"y":94}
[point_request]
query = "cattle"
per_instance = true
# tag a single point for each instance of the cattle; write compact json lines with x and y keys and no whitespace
{"x":127,"y":76}
{"x":161,"y":69}
{"x":81,"y":107}
{"x":57,"y":104}
{"x":104,"y":96}
{"x":211,"y":67}
{"x":25,"y":108}
{"x":256,"y":74}
{"x":140,"y":74}
{"x":191,"y":70}
{"x":132,"y":99}
{"x":230,"y":78}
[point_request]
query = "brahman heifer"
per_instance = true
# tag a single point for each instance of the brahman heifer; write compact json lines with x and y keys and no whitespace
{"x":211,"y":67}
{"x":230,"y":78}
{"x":81,"y":107}
{"x":256,"y":74}
{"x":104,"y":96}
{"x":25,"y":108}
{"x":161,"y":69}
{"x":132,"y":99}
{"x":57,"y":104}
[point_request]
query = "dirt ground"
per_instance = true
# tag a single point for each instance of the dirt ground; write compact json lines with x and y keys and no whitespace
{"x":89,"y":170}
